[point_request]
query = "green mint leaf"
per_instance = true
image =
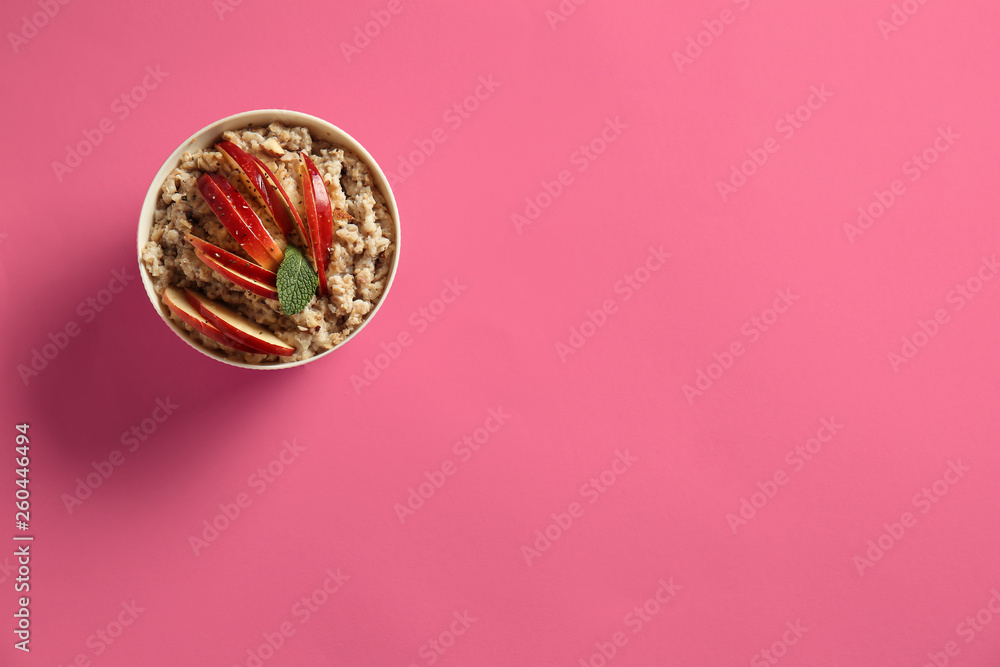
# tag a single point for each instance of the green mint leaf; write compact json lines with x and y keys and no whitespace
{"x":297,"y":282}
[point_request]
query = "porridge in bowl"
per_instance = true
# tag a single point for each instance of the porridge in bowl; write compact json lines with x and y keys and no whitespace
{"x":270,"y":246}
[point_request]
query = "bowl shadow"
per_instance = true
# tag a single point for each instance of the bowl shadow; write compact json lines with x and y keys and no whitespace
{"x":124,"y":363}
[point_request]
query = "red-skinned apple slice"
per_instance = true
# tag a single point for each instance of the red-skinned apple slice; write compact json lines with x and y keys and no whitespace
{"x":178,"y":304}
{"x":290,"y":209}
{"x":232,"y":261}
{"x":249,"y":276}
{"x":319,"y":213}
{"x":240,"y":220}
{"x":266,"y":290}
{"x":234,"y":325}
{"x":258,"y":183}
{"x":289,"y":206}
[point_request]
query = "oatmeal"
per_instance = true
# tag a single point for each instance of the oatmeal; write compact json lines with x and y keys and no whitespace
{"x":203,"y":243}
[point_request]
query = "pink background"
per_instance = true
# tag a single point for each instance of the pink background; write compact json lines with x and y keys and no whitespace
{"x":735,"y":586}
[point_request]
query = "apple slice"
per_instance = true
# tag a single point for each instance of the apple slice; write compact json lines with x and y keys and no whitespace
{"x":257,"y":182}
{"x":242,"y":222}
{"x":319,"y":213}
{"x":288,"y":205}
{"x":247,"y":275}
{"x":268,"y":290}
{"x":179,"y":306}
{"x":232,"y":261}
{"x":238,"y":327}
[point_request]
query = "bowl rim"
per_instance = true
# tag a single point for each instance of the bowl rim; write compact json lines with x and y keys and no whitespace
{"x":213,"y":132}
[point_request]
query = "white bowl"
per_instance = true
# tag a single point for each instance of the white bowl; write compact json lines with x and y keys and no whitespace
{"x":209,"y":136}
